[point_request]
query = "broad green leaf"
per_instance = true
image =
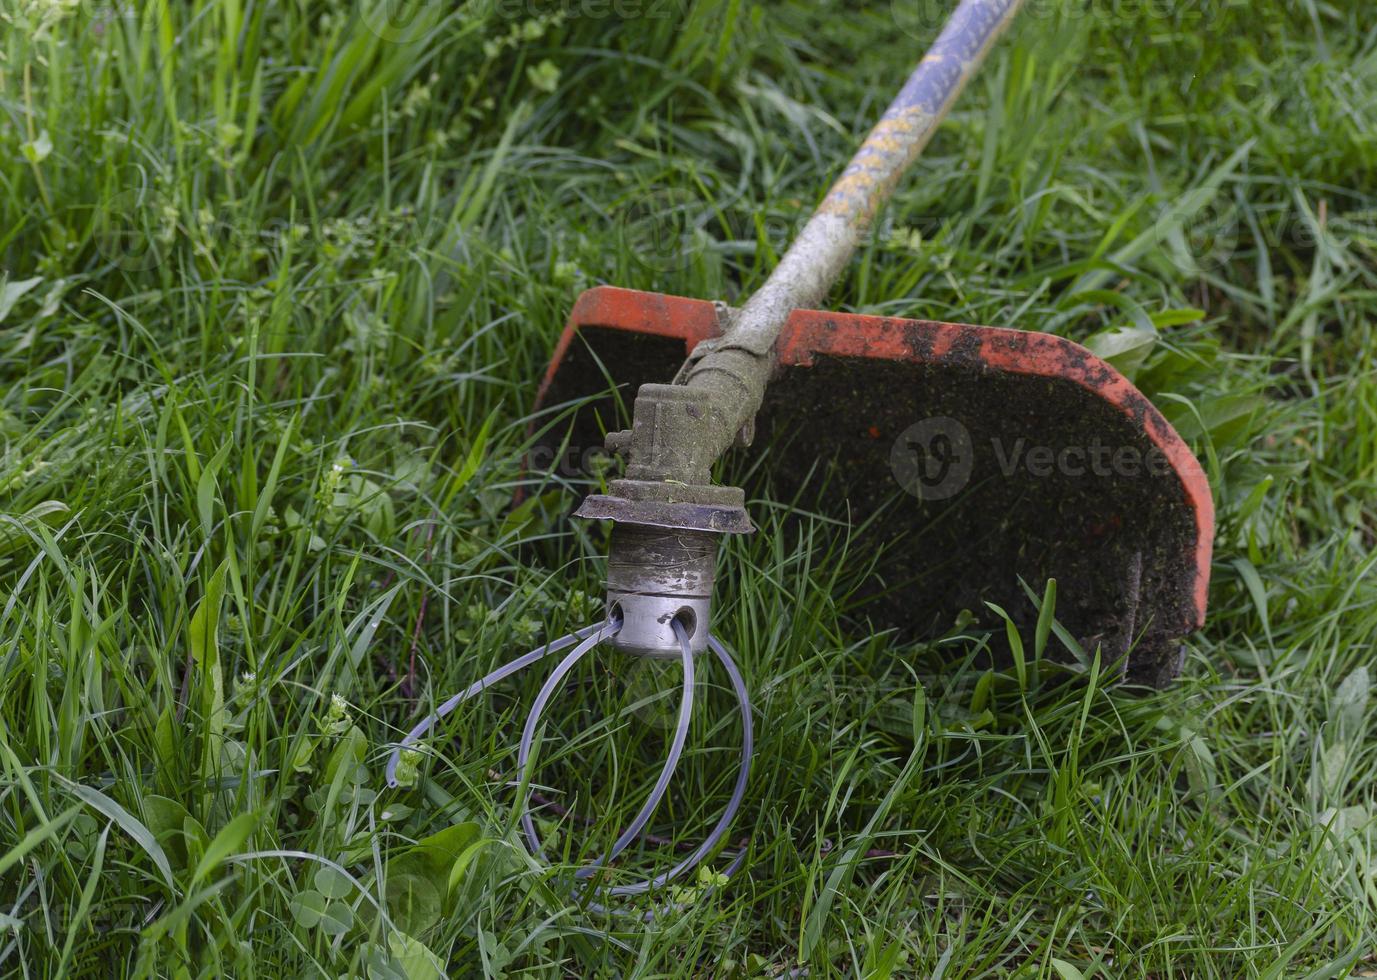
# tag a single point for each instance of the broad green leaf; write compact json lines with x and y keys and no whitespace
{"x":1256,"y":591}
{"x":442,"y":849}
{"x":205,"y":651}
{"x":162,"y":814}
{"x":980,"y":695}
{"x":126,"y":821}
{"x":1177,"y":317}
{"x":1066,"y":971}
{"x":1344,"y":822}
{"x":1125,"y":347}
{"x":1060,"y":632}
{"x":10,"y":292}
{"x":1015,"y":646}
{"x":1254,"y":499}
{"x":336,"y":918}
{"x":462,"y":864}
{"x":346,"y":757}
{"x":1333,"y":771}
{"x":37,"y":149}
{"x":166,"y":818}
{"x":529,"y":509}
{"x":345,"y":769}
{"x":920,"y":712}
{"x":1045,"y":619}
{"x":197,"y":840}
{"x":437,"y":861}
{"x":1348,"y":712}
{"x":227,"y":842}
{"x":206,"y":487}
{"x":1201,"y":770}
{"x":880,"y":962}
{"x":332,"y":884}
{"x":415,"y":957}
{"x":307,"y":908}
{"x":166,"y":745}
{"x":413,"y":901}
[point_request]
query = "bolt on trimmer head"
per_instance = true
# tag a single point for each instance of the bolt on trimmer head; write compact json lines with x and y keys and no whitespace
{"x":1040,"y":459}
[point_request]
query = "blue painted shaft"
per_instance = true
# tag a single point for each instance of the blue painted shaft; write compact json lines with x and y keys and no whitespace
{"x":737,"y":368}
{"x":911,"y":119}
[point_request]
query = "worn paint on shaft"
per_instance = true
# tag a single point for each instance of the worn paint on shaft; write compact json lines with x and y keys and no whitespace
{"x":737,"y":370}
{"x":908,"y":124}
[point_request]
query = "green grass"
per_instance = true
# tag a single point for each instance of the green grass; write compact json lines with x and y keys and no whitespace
{"x":279,"y":290}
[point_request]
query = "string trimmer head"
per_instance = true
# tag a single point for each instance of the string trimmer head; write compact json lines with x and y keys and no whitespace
{"x":980,"y":458}
{"x":983,"y":459}
{"x":1024,"y":456}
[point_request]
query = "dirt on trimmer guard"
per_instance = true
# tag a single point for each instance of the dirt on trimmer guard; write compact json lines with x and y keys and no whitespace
{"x":973,"y":457}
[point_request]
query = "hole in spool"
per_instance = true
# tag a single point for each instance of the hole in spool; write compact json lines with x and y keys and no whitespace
{"x":685,"y":618}
{"x":614,"y":614}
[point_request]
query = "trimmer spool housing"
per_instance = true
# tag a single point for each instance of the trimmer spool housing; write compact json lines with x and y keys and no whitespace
{"x":663,"y":553}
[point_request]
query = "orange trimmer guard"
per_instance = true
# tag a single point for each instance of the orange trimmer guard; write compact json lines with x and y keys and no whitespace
{"x":970,"y":463}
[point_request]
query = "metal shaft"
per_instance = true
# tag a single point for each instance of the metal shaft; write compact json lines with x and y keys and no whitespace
{"x":738,"y":366}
